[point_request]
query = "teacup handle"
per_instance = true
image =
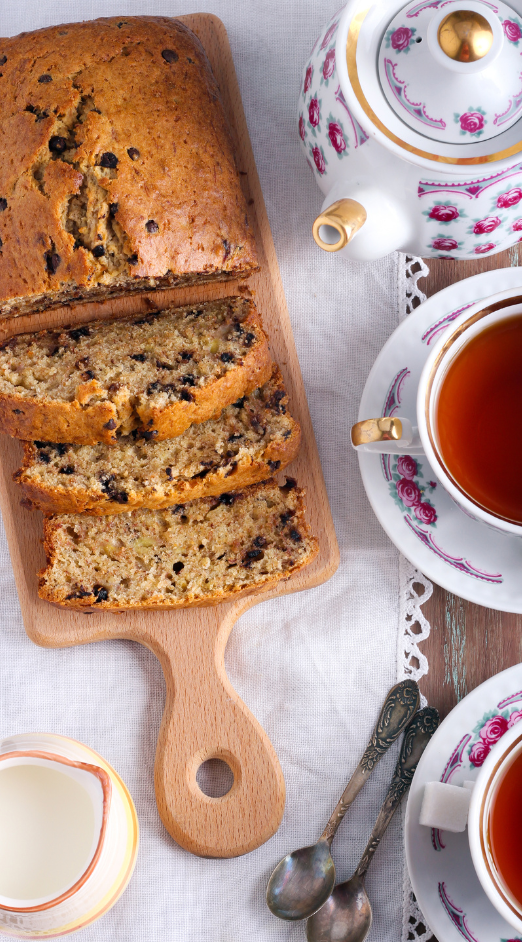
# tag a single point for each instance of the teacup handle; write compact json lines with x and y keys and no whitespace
{"x":389,"y":435}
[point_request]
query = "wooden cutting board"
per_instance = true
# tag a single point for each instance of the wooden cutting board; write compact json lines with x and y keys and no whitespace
{"x":204,"y":717}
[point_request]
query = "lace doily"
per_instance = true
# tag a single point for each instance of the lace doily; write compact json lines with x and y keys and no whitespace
{"x":415,"y":590}
{"x":410,"y":295}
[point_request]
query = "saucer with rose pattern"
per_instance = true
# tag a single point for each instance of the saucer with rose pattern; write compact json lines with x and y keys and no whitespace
{"x":461,"y":554}
{"x":442,"y":874}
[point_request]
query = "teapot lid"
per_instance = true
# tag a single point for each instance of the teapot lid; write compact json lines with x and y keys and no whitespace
{"x":454,"y":75}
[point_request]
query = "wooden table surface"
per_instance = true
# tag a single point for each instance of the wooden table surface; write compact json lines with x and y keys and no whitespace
{"x":468,"y":643}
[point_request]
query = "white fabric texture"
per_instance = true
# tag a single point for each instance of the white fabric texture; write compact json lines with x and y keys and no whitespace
{"x":313,"y":667}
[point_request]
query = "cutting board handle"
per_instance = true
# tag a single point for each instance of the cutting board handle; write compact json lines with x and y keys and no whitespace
{"x":204,"y":718}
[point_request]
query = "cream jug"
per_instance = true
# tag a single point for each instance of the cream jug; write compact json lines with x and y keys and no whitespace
{"x":68,"y":836}
{"x":410,"y":118}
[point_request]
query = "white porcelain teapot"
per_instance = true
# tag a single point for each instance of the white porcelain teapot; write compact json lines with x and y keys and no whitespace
{"x":411,"y":119}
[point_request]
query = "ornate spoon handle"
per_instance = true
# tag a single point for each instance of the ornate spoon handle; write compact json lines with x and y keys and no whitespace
{"x":399,"y":707}
{"x":416,"y":738}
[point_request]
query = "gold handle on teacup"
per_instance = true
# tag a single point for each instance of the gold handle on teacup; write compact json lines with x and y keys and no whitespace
{"x":341,"y":221}
{"x":388,"y":435}
{"x":386,"y":429}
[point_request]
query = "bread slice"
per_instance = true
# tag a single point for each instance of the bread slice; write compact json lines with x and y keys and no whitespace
{"x":117,"y":170}
{"x":160,"y":372}
{"x":248,"y":442}
{"x":199,"y":553}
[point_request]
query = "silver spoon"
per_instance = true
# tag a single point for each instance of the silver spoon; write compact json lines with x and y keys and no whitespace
{"x":303,"y":881}
{"x":347,"y":914}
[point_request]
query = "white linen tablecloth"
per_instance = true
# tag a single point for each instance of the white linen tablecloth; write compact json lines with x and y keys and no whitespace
{"x":313,"y":667}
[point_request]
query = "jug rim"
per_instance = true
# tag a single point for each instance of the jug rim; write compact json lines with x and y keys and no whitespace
{"x":106,"y":786}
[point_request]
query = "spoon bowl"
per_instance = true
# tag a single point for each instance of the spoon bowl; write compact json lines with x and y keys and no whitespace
{"x":345,"y":917}
{"x":302,"y":882}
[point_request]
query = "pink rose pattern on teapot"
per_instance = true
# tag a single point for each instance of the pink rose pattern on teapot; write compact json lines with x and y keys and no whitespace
{"x":465,"y":218}
{"x":512,"y":31}
{"x":327,"y":127}
{"x":472,"y":122}
{"x":461,"y":215}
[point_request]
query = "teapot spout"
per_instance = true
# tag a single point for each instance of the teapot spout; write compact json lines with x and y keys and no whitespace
{"x":364,"y":224}
{"x":337,"y":225}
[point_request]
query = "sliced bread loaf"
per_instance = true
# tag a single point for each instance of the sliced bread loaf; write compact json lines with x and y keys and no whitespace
{"x":248,"y":442}
{"x":159,"y":372}
{"x":199,"y":553}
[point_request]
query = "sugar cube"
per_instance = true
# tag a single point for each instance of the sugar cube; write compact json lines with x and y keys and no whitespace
{"x":445,"y":806}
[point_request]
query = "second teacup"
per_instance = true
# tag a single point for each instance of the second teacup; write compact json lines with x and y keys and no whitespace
{"x":495,"y":826}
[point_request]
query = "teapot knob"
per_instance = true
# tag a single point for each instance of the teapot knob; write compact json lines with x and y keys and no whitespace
{"x":465,"y":36}
{"x":337,"y":225}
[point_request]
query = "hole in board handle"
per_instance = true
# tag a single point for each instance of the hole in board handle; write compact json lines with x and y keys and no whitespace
{"x":215,"y":778}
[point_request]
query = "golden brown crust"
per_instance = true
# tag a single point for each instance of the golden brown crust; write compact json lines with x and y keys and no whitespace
{"x":56,"y":421}
{"x":161,"y":605}
{"x":88,"y":602}
{"x":78,"y":500}
{"x":85,"y":423}
{"x":211,"y":399}
{"x":167,"y":202}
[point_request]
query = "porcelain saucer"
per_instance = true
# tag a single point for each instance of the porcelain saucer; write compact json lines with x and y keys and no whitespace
{"x":461,"y":554}
{"x":442,"y":874}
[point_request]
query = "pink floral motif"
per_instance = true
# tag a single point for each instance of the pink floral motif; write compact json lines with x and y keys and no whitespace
{"x":512,"y":31}
{"x":328,"y":35}
{"x":517,"y":225}
{"x":301,"y":127}
{"x":471,"y":121}
{"x":408,"y":492}
{"x":313,"y":112}
{"x":486,"y":225}
{"x":407,"y":467}
{"x":432,"y":484}
{"x":444,"y":213}
{"x":400,"y":39}
{"x":335,"y":133}
{"x":510,"y":198}
{"x":478,"y":753}
{"x":318,"y":159}
{"x":486,"y":247}
{"x":445,"y":245}
{"x":493,"y":729}
{"x":329,"y":64}
{"x":515,"y":717}
{"x":425,"y":512}
{"x":308,"y":78}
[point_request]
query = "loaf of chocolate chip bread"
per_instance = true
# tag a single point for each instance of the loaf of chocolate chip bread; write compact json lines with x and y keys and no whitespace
{"x":117,"y":170}
{"x":199,"y":553}
{"x":158,"y":373}
{"x":248,"y":442}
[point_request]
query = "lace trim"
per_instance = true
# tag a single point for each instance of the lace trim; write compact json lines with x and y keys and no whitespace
{"x":414,"y":925}
{"x":410,"y":295}
{"x":415,"y":590}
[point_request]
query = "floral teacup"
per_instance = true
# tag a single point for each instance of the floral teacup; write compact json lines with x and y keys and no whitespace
{"x":500,"y":757}
{"x":396,"y":435}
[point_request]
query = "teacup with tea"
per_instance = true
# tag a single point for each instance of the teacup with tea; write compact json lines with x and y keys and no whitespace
{"x":469,"y":404}
{"x":495,"y":826}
